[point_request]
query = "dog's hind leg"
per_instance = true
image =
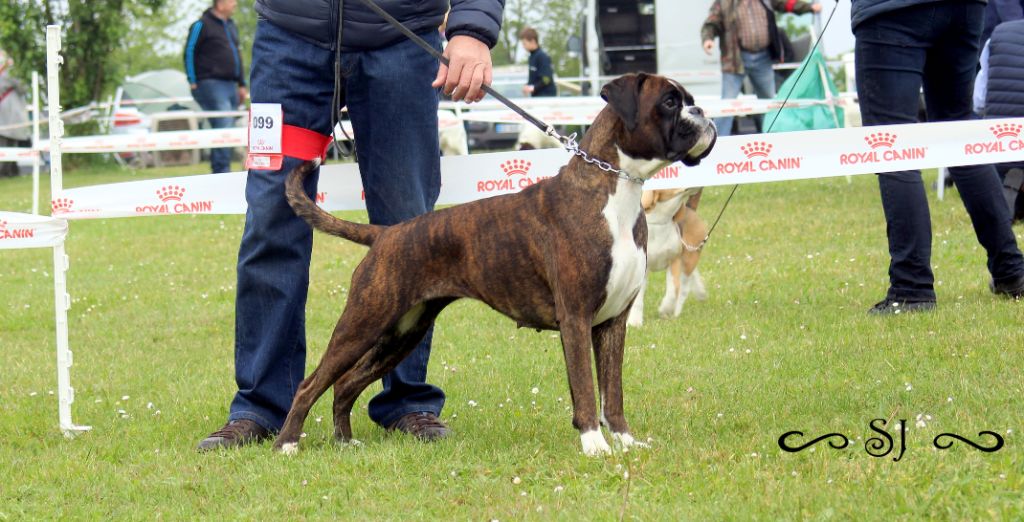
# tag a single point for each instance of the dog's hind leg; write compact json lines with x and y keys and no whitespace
{"x":609,"y":339}
{"x":357,"y":332}
{"x":383,"y":359}
{"x":697,"y":286}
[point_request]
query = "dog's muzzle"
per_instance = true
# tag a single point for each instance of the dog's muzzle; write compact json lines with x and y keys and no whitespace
{"x":699,"y":130}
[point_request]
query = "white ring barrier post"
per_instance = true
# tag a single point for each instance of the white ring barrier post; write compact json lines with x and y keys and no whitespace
{"x":62,"y":300}
{"x":36,"y":156}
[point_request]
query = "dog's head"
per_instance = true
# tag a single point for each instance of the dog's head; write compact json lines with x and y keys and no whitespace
{"x":660,"y":119}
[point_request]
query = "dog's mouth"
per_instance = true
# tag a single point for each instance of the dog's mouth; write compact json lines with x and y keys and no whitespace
{"x":699,"y":146}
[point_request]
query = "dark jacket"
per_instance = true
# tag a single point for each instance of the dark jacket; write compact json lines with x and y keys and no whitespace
{"x":723,"y":22}
{"x":1005,"y":96}
{"x":316,"y":20}
{"x":211,"y":50}
{"x":861,"y":10}
{"x":542,"y":75}
{"x":999,"y":11}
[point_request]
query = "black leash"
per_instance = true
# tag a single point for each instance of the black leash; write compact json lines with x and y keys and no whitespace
{"x":772,"y":124}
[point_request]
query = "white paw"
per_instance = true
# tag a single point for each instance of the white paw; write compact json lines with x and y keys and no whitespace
{"x":625,"y":441}
{"x":594,"y":444}
{"x":290,"y":448}
{"x":666,"y":309}
{"x":635,"y":322}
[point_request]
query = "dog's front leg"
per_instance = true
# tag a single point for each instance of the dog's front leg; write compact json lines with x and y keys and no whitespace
{"x":576,"y":347}
{"x":609,"y":344}
{"x":675,"y":290}
{"x":636,"y":311}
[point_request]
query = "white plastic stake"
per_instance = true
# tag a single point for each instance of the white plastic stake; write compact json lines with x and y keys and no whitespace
{"x":36,"y":155}
{"x":62,"y":301}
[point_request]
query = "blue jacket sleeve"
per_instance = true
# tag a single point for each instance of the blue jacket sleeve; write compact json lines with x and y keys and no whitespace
{"x":190,"y":51}
{"x":480,"y":19}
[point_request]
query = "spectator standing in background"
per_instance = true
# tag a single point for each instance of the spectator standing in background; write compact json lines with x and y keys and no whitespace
{"x":541,"y":81}
{"x":213,"y":65}
{"x":1000,"y":87}
{"x":903,"y":46}
{"x":750,"y":42}
{"x":999,"y":11}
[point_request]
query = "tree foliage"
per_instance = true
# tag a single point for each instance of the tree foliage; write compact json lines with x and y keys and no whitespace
{"x":93,"y":32}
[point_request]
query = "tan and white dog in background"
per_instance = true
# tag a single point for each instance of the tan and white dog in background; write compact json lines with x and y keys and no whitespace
{"x":674,"y":230}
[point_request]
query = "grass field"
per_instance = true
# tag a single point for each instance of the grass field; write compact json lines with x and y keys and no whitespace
{"x":783,"y":343}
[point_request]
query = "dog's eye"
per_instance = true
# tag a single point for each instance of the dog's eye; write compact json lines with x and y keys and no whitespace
{"x":670,"y":103}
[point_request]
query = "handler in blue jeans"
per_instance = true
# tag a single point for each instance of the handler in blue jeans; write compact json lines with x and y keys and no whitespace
{"x":902,"y":46}
{"x":390,"y":86}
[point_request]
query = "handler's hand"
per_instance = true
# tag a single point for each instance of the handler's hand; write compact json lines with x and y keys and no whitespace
{"x":708,"y":46}
{"x":469,"y":67}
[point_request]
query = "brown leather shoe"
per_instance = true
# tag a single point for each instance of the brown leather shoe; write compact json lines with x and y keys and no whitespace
{"x":422,"y":425}
{"x":235,"y":433}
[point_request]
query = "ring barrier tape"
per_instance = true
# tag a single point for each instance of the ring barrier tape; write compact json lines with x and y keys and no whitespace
{"x":30,"y":231}
{"x":734,"y":160}
{"x":15,"y":154}
{"x":573,"y":114}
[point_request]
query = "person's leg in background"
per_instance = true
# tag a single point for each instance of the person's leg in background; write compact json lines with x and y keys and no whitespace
{"x":948,"y":86}
{"x":890,"y":57}
{"x":762,"y":78}
{"x":394,"y":116}
{"x":732,"y":84}
{"x":218,"y":95}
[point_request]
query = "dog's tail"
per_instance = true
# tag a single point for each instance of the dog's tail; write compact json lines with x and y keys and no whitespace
{"x":319,"y":218}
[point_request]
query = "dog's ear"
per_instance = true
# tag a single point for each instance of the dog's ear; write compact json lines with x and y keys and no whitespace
{"x":623,"y":95}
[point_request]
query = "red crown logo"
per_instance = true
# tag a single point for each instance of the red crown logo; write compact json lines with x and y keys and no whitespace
{"x":516,"y":166}
{"x":757,"y":148}
{"x":1006,"y":130}
{"x":61,"y":205}
{"x":880,"y":139}
{"x":170,"y":193}
{"x":3,"y":225}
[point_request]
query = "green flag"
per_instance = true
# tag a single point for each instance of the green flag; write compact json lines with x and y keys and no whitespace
{"x":809,"y":85}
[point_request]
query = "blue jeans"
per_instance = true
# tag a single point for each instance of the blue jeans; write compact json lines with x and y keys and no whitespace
{"x":758,"y":67}
{"x":394,"y":114}
{"x":218,"y":95}
{"x":934,"y":46}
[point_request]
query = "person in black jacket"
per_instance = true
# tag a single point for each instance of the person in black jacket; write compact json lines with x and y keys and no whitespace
{"x":213,"y":65}
{"x":903,"y":46}
{"x":1003,"y":93}
{"x":999,"y":11}
{"x":541,"y":81}
{"x":390,"y":87}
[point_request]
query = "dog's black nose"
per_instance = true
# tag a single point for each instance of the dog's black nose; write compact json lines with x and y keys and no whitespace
{"x":696,"y":111}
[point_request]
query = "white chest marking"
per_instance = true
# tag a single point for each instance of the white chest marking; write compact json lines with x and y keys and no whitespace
{"x":629,"y":263}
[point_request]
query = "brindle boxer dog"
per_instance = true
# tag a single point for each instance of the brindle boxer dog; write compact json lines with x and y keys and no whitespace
{"x":566,"y":254}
